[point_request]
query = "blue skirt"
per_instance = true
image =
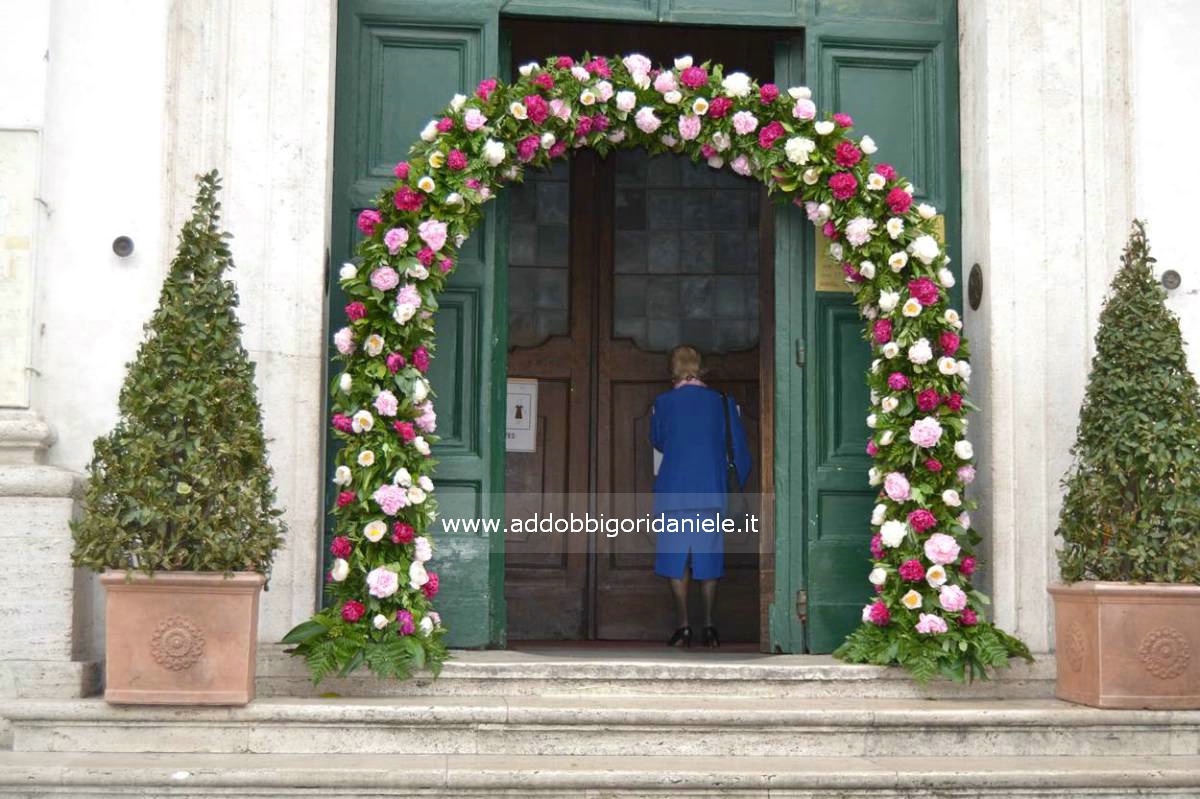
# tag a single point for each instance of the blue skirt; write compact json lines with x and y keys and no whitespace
{"x":683,"y":538}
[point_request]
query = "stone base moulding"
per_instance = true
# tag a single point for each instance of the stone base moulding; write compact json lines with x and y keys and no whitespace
{"x":1125,"y":645}
{"x":181,"y":638}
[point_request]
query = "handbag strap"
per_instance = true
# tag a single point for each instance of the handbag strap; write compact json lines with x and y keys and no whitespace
{"x":729,"y":459}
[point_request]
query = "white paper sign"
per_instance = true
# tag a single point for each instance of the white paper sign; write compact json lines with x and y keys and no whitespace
{"x":520,"y":420}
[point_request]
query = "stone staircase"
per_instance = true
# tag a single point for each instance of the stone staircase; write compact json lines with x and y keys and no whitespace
{"x":600,"y":724}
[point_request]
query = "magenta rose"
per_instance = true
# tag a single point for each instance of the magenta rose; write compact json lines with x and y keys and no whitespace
{"x":843,"y":120}
{"x":537,"y":108}
{"x":921,"y":520}
{"x":527,"y":148}
{"x":485,"y":88}
{"x":445,"y":125}
{"x":407,"y":199}
{"x":368,"y":220}
{"x":877,"y":546}
{"x":768,"y":93}
{"x":341,"y":547}
{"x":928,"y":400}
{"x":843,"y":185}
{"x":872,"y":449}
{"x":343,"y":423}
{"x":949,"y":342}
{"x":425,"y":256}
{"x":420,"y":359}
{"x":402,"y":533}
{"x":564,"y":62}
{"x":395,"y":362}
{"x":881,"y":331}
{"x":694,"y":77}
{"x":557,"y":150}
{"x":847,"y":154}
{"x":897,"y":381}
{"x":404,"y":620}
{"x":401,"y":170}
{"x":887,"y":171}
{"x":353,"y":610}
{"x":406,"y":431}
{"x":599,"y":66}
{"x":768,"y":135}
{"x":457,"y":160}
{"x":445,"y":265}
{"x":346,"y":498}
{"x":898,"y":200}
{"x":719,"y":107}
{"x":924,"y":290}
{"x":967,"y":567}
{"x":933,"y":465}
{"x":968,"y":618}
{"x":355,"y":311}
{"x":912,"y":570}
{"x":954,"y":401}
{"x":431,"y":588}
{"x":583,"y":126}
{"x":879,"y":614}
{"x":545,"y":81}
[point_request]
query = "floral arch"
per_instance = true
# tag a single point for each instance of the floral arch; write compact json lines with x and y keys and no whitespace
{"x":923,"y":612}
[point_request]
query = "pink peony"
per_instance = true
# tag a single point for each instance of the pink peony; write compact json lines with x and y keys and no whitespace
{"x":740,"y":165}
{"x":401,"y":170}
{"x":921,"y":520}
{"x":368,"y":220}
{"x":485,"y":88}
{"x":896,"y":486}
{"x":941,"y":548}
{"x":408,"y":295}
{"x":924,"y":290}
{"x":545,"y":81}
{"x":847,"y":154}
{"x":445,"y":265}
{"x":744,"y":122}
{"x":877,"y":546}
{"x":386,"y":403}
{"x":843,"y":120}
{"x":564,"y":62}
{"x":872,"y":449}
{"x":719,"y":107}
{"x":404,"y":620}
{"x":931,"y":624}
{"x":966,"y":474}
{"x":537,"y":108}
{"x":968,"y":618}
{"x":457,"y":160}
{"x":405,"y":431}
{"x":427,"y":420}
{"x":928,"y":400}
{"x":390,"y":498}
{"x":599,"y":66}
{"x":341,"y":547}
{"x":355,"y":311}
{"x":353,"y":610}
{"x":343,"y":423}
{"x":395,"y":239}
{"x":407,"y":199}
{"x":844,"y":185}
{"x":395,"y":362}
{"x":898,"y":200}
{"x":665,"y":82}
{"x":382,"y":582}
{"x":912,"y":570}
{"x":689,"y":127}
{"x":897,"y":381}
{"x":804,"y":109}
{"x":694,"y":77}
{"x":420,"y":359}
{"x":768,"y":93}
{"x":925,"y":432}
{"x":425,"y":256}
{"x":344,"y":341}
{"x":952,"y":598}
{"x":967,"y":567}
{"x":385,"y":278}
{"x":431,"y":588}
{"x":879,"y":613}
{"x":954,"y":402}
{"x":445,"y":125}
{"x":402,"y":533}
{"x":346,"y":498}
{"x":474,"y":119}
{"x":887,"y":171}
{"x":949,"y":342}
{"x":881,"y":331}
{"x":771,"y":134}
{"x":527,"y":147}
{"x":433,"y":233}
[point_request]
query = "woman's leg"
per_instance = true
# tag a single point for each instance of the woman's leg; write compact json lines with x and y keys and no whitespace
{"x":709,"y":589}
{"x":679,"y":589}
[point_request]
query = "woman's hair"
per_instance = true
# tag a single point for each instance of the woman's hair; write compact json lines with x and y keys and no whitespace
{"x":685,"y":363}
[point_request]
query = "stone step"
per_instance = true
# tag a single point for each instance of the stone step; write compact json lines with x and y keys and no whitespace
{"x":651,"y":671}
{"x":677,"y":725}
{"x":191,"y":776}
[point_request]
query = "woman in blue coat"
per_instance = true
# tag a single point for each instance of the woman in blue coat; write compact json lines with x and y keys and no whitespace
{"x":688,"y":426}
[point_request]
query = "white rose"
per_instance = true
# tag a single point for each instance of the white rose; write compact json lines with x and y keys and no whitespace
{"x":889,"y":404}
{"x":404,"y":312}
{"x":868,"y":146}
{"x":453,"y":198}
{"x":874,"y":477}
{"x":716,"y":161}
{"x":909,"y":189}
{"x":375,"y":531}
{"x":493,"y":152}
{"x":626,"y":100}
{"x":430,"y":131}
{"x":964,"y":519}
{"x":945,"y":278}
{"x":874,"y":397}
{"x":642,"y":80}
{"x":720,"y":141}
{"x":835,"y":250}
{"x":699,"y":106}
{"x":342,"y":476}
{"x":800,"y":93}
{"x":426,"y":184}
{"x":911,"y":307}
{"x":925,"y":248}
{"x":912,"y":600}
{"x":366,"y":458}
{"x":964,"y":370}
{"x":425,"y":483}
{"x":340,"y":570}
{"x":947,"y":365}
{"x":348,"y":271}
{"x":380,"y":621}
{"x":887,"y":437}
{"x":672,"y":97}
{"x":616,"y":136}
{"x":875,"y":364}
{"x":362,"y":422}
{"x":951,"y":498}
{"x":422,"y":549}
{"x":936,"y":576}
{"x":867,"y":270}
{"x":824,"y":127}
{"x":964,"y":450}
{"x":920,"y":352}
{"x":416,"y":495}
{"x":891,"y":533}
{"x":518,"y":110}
{"x":950,"y":317}
{"x":878,"y":576}
{"x":345,"y":383}
{"x":872,"y":421}
{"x":420,"y":390}
{"x":527,"y":69}
{"x":417,"y":576}
{"x":811,"y":176}
{"x":926,"y":211}
{"x":425,"y":626}
{"x":437,"y":159}
{"x":458,"y":101}
{"x":403,"y":478}
{"x":736,"y":84}
{"x":879,"y":514}
{"x":421,"y":445}
{"x":888,"y":300}
{"x":824,"y":211}
{"x":683,"y":62}
{"x":895,"y":226}
{"x":897,"y":261}
{"x":798,"y":149}
{"x":891,"y":350}
{"x":587,"y":97}
{"x":875,"y":181}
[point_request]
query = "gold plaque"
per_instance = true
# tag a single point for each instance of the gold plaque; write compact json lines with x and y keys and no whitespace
{"x":830,"y":277}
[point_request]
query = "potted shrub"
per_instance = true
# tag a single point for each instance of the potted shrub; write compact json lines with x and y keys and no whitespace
{"x":1127,"y":623}
{"x":179,"y":509}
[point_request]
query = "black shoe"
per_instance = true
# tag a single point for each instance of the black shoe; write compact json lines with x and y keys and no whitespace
{"x":682,"y":636}
{"x":711,"y":639}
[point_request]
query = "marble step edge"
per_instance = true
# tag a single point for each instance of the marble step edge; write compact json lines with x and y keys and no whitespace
{"x":360,"y":775}
{"x":607,"y":710}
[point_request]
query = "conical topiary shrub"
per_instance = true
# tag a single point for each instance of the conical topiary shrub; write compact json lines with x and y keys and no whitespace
{"x":182,"y":482}
{"x":1132,"y":509}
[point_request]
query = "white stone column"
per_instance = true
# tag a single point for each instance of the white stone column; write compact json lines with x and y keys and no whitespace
{"x":1046,"y":190}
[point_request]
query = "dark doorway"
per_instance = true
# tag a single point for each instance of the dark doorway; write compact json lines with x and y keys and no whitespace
{"x":611,"y":263}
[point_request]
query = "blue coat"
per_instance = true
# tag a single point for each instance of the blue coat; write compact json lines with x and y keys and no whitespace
{"x":688,"y":427}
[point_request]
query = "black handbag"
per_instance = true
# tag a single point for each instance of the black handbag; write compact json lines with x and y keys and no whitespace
{"x":738,"y":506}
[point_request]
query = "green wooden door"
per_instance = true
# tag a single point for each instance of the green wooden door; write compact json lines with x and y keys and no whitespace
{"x":398,"y":63}
{"x":893,"y":66}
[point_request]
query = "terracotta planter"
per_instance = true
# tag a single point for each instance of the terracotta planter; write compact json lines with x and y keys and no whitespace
{"x":1126,"y":645}
{"x":181,"y":638}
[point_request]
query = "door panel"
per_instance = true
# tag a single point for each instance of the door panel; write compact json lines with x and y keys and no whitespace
{"x":398,"y":64}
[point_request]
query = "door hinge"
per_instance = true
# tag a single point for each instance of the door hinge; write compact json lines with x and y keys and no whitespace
{"x":801,"y":353}
{"x":802,"y":606}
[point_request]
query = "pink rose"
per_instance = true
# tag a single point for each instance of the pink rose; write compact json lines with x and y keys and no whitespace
{"x":665,"y":82}
{"x":474,"y":119}
{"x":931,"y":624}
{"x":353,"y":610}
{"x":385,"y":278}
{"x":952,"y":598}
{"x":395,"y":238}
{"x":843,"y":185}
{"x":921,"y":520}
{"x":408,"y":295}
{"x":427,"y":420}
{"x":433,"y":233}
{"x":804,"y":109}
{"x":386,"y":403}
{"x":941,"y":548}
{"x":740,"y":165}
{"x":390,"y":498}
{"x":896,"y":486}
{"x":925,"y":432}
{"x":912,"y":570}
{"x":368,"y":220}
{"x":928,"y":400}
{"x":898,"y":200}
{"x":847,"y":154}
{"x":689,"y":127}
{"x":382,"y":582}
{"x":407,"y":199}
